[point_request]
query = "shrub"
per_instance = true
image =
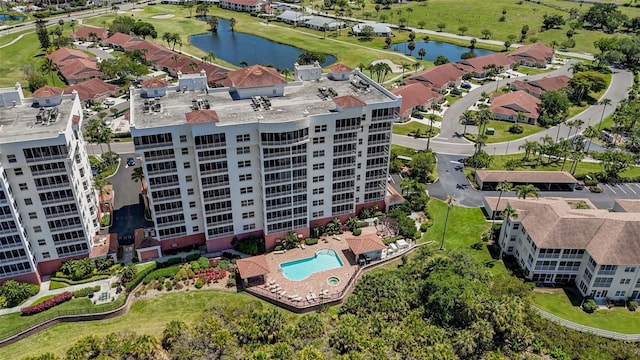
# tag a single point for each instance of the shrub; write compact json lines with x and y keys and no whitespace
{"x":362,"y":224}
{"x":590,"y":182}
{"x":178,"y":286}
{"x":311,"y":241}
{"x":277,"y":248}
{"x":161,"y":274}
{"x":192,"y":257}
{"x":357,"y":232}
{"x":168,"y":285}
{"x":203,"y":262}
{"x":15,"y":292}
{"x":160,"y":286}
{"x":391,"y":240}
{"x":85,"y":291}
{"x":199,"y":284}
{"x":595,"y":189}
{"x":47,"y":304}
{"x":174,"y":261}
{"x":231,"y":282}
{"x":251,"y":245}
{"x":140,"y":274}
{"x":79,"y":282}
{"x":516,"y":129}
{"x":633,"y":305}
{"x":589,"y":306}
{"x":224,"y":264}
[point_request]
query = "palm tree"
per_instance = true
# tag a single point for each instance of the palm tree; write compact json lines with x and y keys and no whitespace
{"x":127,"y":274}
{"x":604,"y":102}
{"x":202,"y":9}
{"x":193,"y":66}
{"x":467,"y":117}
{"x":189,"y":6}
{"x":50,"y":66}
{"x":431,"y":119}
{"x":325,"y":27}
{"x":73,"y":25}
{"x":99,"y":183}
{"x":422,"y":52}
{"x":450,"y":200}
{"x":145,"y":346}
{"x":529,"y":148}
{"x":502,"y":187}
{"x":286,"y":72}
{"x":405,"y":66}
{"x":232,"y":24}
{"x":524,"y":191}
{"x":213,"y":24}
{"x":590,"y":132}
{"x":138,"y":175}
{"x":409,"y":11}
{"x":416,"y":65}
{"x":508,"y":213}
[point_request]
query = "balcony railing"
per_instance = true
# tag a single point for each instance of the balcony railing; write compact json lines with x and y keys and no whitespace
{"x":154,"y":145}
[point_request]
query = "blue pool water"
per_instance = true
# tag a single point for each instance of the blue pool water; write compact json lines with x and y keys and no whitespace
{"x":325,"y":259}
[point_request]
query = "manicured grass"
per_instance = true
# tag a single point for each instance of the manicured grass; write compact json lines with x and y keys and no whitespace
{"x":533,"y":71}
{"x":557,"y":302}
{"x":502,"y":133}
{"x":53,"y":285}
{"x":411,"y":127}
{"x":42,"y":299}
{"x":451,"y":99}
{"x":145,"y":316}
{"x":106,"y":220}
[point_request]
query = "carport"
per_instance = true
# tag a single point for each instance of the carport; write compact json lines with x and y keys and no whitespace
{"x":488,"y":180}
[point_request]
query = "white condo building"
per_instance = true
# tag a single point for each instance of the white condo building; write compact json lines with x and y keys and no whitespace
{"x":47,"y":200}
{"x":554,"y":242}
{"x":262,"y":156}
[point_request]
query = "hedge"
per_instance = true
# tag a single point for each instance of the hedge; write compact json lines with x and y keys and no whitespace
{"x":192,"y":257}
{"x":311,"y":241}
{"x":362,"y":224}
{"x":143,"y":271}
{"x":161,"y":274}
{"x":174,"y":261}
{"x":47,"y":304}
{"x":391,"y":240}
{"x":85,"y":291}
{"x":79,"y":282}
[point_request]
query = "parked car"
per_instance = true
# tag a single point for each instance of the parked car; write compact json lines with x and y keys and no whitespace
{"x":109,"y":102}
{"x":466,"y":85}
{"x":88,"y":112}
{"x":131,"y":161}
{"x":579,"y":186}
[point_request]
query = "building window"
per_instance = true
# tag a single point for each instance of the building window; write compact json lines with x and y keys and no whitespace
{"x":318,"y":153}
{"x":183,"y":138}
{"x":243,"y":150}
{"x":246,"y":202}
{"x":318,"y":214}
{"x":318,"y":178}
{"x":625,"y":281}
{"x":620,"y":293}
{"x":516,"y":226}
{"x":18,"y":171}
{"x":187,"y":165}
{"x":37,"y":229}
{"x":630,"y":269}
{"x":33,"y":215}
{"x":607,"y":269}
{"x":11,"y":158}
{"x":188,"y":178}
{"x":189,"y":191}
{"x":248,"y":215}
{"x":318,"y":202}
{"x":194,"y":216}
{"x":320,"y":128}
{"x":243,"y":138}
{"x":602,"y":282}
{"x":185,"y":151}
{"x":318,"y":191}
{"x":28,"y":201}
{"x":23,"y":186}
{"x":195,"y":229}
{"x":318,"y":140}
{"x":192,"y":204}
{"x":319,"y":166}
{"x":46,"y":255}
{"x":42,"y":242}
{"x":245,"y":163}
{"x":245,"y":177}
{"x":248,"y":226}
{"x":246,"y":190}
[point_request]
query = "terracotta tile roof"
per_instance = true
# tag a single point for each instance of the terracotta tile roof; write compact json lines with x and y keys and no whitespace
{"x":537,"y":52}
{"x":121,"y":39}
{"x":214,"y":73}
{"x":80,"y":69}
{"x":65,"y":54}
{"x":201,"y":116}
{"x":84,"y":32}
{"x":629,"y":205}
{"x":252,"y":266}
{"x":75,"y":119}
{"x":365,"y":243}
{"x":141,"y":242}
{"x":340,"y":68}
{"x":510,"y":104}
{"x":110,"y":245}
{"x":153,"y":52}
{"x":92,"y":89}
{"x":154,"y":83}
{"x":47,"y":91}
{"x":255,"y":76}
{"x":609,"y":237}
{"x":529,"y":177}
{"x":348,"y":101}
{"x":438,"y":76}
{"x":477,"y":64}
{"x":413,"y":95}
{"x":393,"y":196}
{"x":552,"y":83}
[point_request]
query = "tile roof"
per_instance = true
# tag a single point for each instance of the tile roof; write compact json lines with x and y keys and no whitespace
{"x":47,"y":91}
{"x":252,"y":266}
{"x":492,"y":202}
{"x":393,"y":196}
{"x":510,"y":104}
{"x":255,"y":76}
{"x":92,"y":89}
{"x":109,"y":246}
{"x":413,"y":95}
{"x":75,"y":119}
{"x":550,"y":83}
{"x":538,"y":52}
{"x":84,"y":31}
{"x":629,"y":205}
{"x":153,"y":52}
{"x":609,"y":237}
{"x":65,"y":54}
{"x":365,"y":243}
{"x":348,"y":101}
{"x":340,"y":68}
{"x":477,"y":64}
{"x":154,"y":83}
{"x":530,"y":177}
{"x":141,"y":242}
{"x":438,"y":76}
{"x":80,"y":69}
{"x":121,"y":39}
{"x":244,"y":2}
{"x":201,"y":116}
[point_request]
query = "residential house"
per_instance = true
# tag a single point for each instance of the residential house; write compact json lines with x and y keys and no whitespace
{"x":153,"y":52}
{"x":378,"y":29}
{"x":84,"y":33}
{"x":416,"y":96}
{"x":319,"y":22}
{"x":481,"y":66}
{"x":595,"y":249}
{"x":120,"y":41}
{"x":243,"y":5}
{"x":517,"y":103}
{"x":79,"y":70}
{"x":539,"y":87}
{"x":65,"y":54}
{"x":293,"y":17}
{"x":533,"y":55}
{"x":439,"y":78}
{"x":93,"y":89}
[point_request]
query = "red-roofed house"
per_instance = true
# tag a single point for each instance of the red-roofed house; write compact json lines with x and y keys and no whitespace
{"x":120,"y":41}
{"x":93,"y":89}
{"x":534,"y":55}
{"x":479,"y":66}
{"x":367,"y":247}
{"x":153,"y":52}
{"x":252,"y":270}
{"x":508,"y":106}
{"x":340,"y":72}
{"x":258,"y":80}
{"x":47,"y":91}
{"x":539,"y":87}
{"x":85,"y":33}
{"x":243,"y":5}
{"x":174,"y":64}
{"x":65,"y":54}
{"x":415,"y":96}
{"x":78,"y":70}
{"x":438,"y":78}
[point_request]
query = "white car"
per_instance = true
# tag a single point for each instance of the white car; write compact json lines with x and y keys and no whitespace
{"x":109,"y":102}
{"x":88,"y":112}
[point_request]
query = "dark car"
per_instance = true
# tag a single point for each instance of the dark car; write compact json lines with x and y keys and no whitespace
{"x":579,"y":186}
{"x":131,"y":161}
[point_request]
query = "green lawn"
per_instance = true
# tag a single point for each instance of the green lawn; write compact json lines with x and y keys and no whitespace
{"x":533,"y":71}
{"x":145,"y":316}
{"x":42,"y":299}
{"x":502,"y":133}
{"x":557,"y":302}
{"x":411,"y":127}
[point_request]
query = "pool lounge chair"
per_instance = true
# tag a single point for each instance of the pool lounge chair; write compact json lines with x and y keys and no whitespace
{"x":310,"y":298}
{"x":293,"y":296}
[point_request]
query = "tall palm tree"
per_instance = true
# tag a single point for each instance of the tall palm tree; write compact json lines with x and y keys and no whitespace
{"x":508,"y":213}
{"x":50,"y":67}
{"x":213,"y":24}
{"x":524,"y":191}
{"x":450,"y":200}
{"x":99,"y":184}
{"x":467,"y":117}
{"x":502,"y":187}
{"x":232,"y":24}
{"x":590,"y":132}
{"x":286,"y":72}
{"x":138,"y":175}
{"x":409,"y":11}
{"x":604,"y":102}
{"x":145,"y":346}
{"x":431,"y":119}
{"x":416,"y":66}
{"x":529,"y":147}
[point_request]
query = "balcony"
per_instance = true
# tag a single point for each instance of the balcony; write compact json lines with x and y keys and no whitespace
{"x":67,"y":228}
{"x":277,"y":181}
{"x":285,"y":142}
{"x":154,"y":145}
{"x":159,"y":199}
{"x":46,"y":158}
{"x":214,"y":185}
{"x":49,"y":172}
{"x":348,"y":128}
{"x":149,"y":159}
{"x":171,"y":236}
{"x":162,"y":171}
{"x":379,"y":129}
{"x":62,"y":214}
{"x":164,"y":185}
{"x":346,"y":140}
{"x":212,"y":145}
{"x":379,"y":142}
{"x":172,"y":223}
{"x":57,"y":200}
{"x":344,"y":165}
{"x":169,"y":211}
{"x":214,"y":171}
{"x":218,"y":211}
{"x":53,"y":186}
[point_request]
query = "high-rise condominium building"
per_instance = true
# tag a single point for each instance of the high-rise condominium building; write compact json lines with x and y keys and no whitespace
{"x":261,"y":156}
{"x":47,"y":201}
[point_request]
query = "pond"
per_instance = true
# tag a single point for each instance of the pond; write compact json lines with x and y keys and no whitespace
{"x":236,"y":47}
{"x":435,"y":48}
{"x":9,"y":17}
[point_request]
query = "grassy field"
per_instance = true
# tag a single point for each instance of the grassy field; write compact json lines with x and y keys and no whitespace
{"x":411,"y":127}
{"x":145,"y":316}
{"x":502,"y":133}
{"x":559,"y":303}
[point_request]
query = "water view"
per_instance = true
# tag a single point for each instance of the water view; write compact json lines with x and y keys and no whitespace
{"x":9,"y":17}
{"x":435,"y":48}
{"x":237,"y":47}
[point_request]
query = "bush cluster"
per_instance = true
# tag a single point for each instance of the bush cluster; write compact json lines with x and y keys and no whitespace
{"x":590,"y":182}
{"x":85,"y":291}
{"x":633,"y":305}
{"x":161,"y":274}
{"x":357,"y":232}
{"x":174,"y":261}
{"x":139,"y":276}
{"x":47,"y":304}
{"x":589,"y":306}
{"x":391,"y":240}
{"x":311,"y":241}
{"x":79,"y":282}
{"x":201,"y":264}
{"x":192,"y":257}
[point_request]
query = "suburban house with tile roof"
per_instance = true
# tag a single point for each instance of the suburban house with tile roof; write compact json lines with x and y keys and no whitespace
{"x":153,"y":52}
{"x":79,"y":70}
{"x":65,"y":54}
{"x":416,"y":96}
{"x":378,"y":29}
{"x":93,"y":89}
{"x":85,"y":32}
{"x":595,"y":249}
{"x":508,"y":106}
{"x":243,"y":5}
{"x":539,"y":87}
{"x":533,"y":55}
{"x":253,"y":270}
{"x":120,"y":41}
{"x":438,"y":78}
{"x":480,"y":66}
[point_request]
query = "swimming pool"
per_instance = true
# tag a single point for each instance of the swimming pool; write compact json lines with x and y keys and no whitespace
{"x":325,"y":259}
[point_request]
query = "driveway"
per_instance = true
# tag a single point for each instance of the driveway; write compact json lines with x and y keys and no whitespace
{"x":128,"y":212}
{"x":452,"y":181}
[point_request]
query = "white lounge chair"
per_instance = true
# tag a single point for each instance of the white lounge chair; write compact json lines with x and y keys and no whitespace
{"x":310,"y":298}
{"x":293,"y":296}
{"x":313,"y":296}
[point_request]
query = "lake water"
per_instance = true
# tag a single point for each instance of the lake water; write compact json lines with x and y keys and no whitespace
{"x":7,"y":17}
{"x":435,"y":48}
{"x":235,"y":47}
